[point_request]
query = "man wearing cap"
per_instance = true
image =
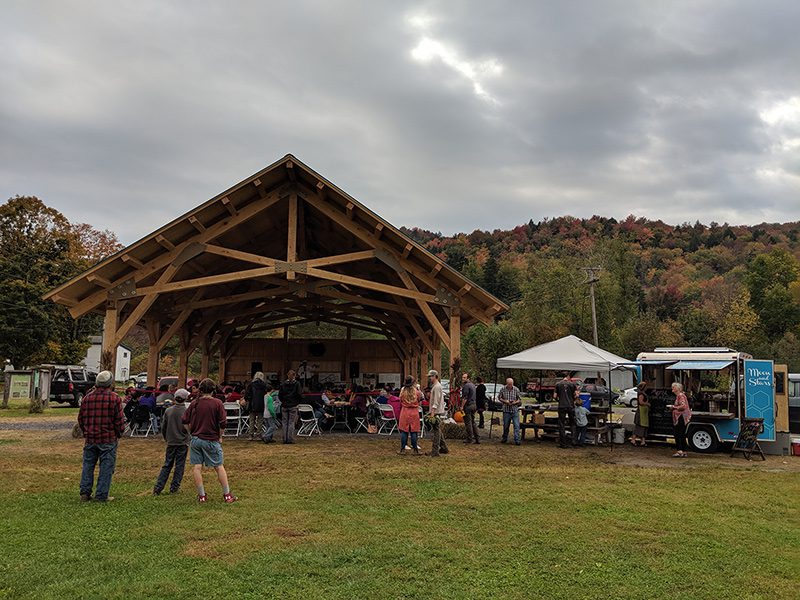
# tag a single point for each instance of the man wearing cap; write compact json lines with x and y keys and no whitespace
{"x":101,"y":420}
{"x":437,"y":410}
{"x":177,"y":438}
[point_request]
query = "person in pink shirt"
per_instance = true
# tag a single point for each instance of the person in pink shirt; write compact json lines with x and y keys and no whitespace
{"x":681,"y":415}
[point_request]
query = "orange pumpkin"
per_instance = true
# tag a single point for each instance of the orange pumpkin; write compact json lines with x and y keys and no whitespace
{"x":458,"y":416}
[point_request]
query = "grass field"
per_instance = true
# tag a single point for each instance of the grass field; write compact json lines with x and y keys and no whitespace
{"x":21,"y":408}
{"x":345,"y":517}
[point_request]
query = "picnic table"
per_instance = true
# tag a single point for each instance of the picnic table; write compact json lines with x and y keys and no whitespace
{"x":341,"y":414}
{"x":533,"y":416}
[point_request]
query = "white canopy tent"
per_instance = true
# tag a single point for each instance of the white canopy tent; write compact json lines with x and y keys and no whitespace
{"x":569,"y":353}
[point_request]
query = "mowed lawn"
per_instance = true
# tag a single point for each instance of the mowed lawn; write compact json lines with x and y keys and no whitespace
{"x":345,"y":517}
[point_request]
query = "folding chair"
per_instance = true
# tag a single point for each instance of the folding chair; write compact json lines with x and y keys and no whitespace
{"x":308,"y":421}
{"x":421,"y":423}
{"x":233,"y":419}
{"x":142,"y":424}
{"x":387,"y":419}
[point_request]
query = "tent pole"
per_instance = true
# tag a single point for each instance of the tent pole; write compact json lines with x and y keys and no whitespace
{"x":610,"y":408}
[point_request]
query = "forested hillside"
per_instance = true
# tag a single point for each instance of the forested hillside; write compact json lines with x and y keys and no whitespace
{"x":698,"y":285}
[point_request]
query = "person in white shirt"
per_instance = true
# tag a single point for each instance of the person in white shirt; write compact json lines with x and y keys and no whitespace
{"x":437,"y":410}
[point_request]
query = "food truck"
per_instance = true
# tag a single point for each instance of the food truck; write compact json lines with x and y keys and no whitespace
{"x":723,"y":387}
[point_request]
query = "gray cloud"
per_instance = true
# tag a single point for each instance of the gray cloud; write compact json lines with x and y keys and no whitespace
{"x":127,"y":115}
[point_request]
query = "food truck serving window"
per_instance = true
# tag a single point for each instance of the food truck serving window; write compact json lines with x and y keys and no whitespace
{"x":700,"y":365}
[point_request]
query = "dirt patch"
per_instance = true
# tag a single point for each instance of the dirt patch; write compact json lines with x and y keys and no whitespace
{"x":286,"y":533}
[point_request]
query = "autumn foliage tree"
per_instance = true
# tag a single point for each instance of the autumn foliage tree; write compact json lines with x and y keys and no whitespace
{"x":40,"y":249}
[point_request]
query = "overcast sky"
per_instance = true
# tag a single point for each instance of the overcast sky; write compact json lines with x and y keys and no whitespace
{"x":447,"y":115}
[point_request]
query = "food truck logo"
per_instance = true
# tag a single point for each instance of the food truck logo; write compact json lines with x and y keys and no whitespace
{"x":759,"y":377}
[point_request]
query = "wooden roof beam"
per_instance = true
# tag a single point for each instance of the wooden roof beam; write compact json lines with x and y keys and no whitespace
{"x":164,"y":242}
{"x":98,"y":280}
{"x":96,"y":299}
{"x":367,"y":236}
{"x":197,"y":224}
{"x":226,"y":202}
{"x":132,"y":261}
{"x":290,"y":172}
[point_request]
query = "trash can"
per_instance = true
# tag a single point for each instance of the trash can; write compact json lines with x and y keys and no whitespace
{"x":586,"y":399}
{"x":618,"y":434}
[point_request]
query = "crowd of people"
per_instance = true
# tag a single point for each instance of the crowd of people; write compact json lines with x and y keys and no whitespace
{"x":192,"y":421}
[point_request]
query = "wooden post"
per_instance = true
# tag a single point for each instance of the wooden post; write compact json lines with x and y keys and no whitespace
{"x":183,"y":358}
{"x":436,"y":355}
{"x":285,"y":352}
{"x":223,"y":362}
{"x":455,"y":349}
{"x":291,"y":242}
{"x":153,"y":350}
{"x":108,"y":355}
{"x":205,"y":359}
{"x":346,"y":365}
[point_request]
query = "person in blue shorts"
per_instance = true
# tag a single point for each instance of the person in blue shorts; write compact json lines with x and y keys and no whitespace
{"x":205,"y":419}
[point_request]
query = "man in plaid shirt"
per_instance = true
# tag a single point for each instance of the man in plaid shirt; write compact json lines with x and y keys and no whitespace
{"x":511,"y":399}
{"x":100,"y":418}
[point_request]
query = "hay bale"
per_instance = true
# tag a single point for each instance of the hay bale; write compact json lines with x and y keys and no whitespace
{"x":453,"y":431}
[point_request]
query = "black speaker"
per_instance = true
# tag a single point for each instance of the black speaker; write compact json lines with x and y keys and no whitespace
{"x":355,"y":372}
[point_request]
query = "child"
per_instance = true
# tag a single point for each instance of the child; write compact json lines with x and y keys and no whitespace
{"x":177,"y":439}
{"x":272,"y":407}
{"x":581,"y":421}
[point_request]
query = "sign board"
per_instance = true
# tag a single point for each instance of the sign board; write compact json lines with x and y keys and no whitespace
{"x":20,"y":387}
{"x":393,"y":379}
{"x":747,"y":440}
{"x":759,"y":394}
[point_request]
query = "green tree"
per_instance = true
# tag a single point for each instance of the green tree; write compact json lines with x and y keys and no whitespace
{"x":39,"y":249}
{"x":482,"y":346}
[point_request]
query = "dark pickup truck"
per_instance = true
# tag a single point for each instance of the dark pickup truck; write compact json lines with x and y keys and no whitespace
{"x":70,"y":383}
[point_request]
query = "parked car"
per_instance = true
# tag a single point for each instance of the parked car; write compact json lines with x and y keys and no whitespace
{"x":70,"y":383}
{"x":630,"y":397}
{"x":139,"y":381}
{"x":173,"y":380}
{"x":600,"y":393}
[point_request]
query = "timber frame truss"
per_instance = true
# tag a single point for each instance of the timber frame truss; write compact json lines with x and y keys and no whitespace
{"x":282,"y":248}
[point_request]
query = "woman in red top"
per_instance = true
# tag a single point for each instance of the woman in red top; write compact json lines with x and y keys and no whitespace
{"x":681,"y":415}
{"x":409,"y":415}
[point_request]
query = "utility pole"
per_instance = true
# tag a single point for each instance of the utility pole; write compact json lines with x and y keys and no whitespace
{"x":592,"y":277}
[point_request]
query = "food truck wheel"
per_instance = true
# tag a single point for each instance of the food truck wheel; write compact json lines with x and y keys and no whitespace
{"x":703,"y":439}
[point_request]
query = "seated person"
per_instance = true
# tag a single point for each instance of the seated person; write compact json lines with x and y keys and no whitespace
{"x":164,"y":395}
{"x":148,"y":399}
{"x":359,"y":402}
{"x":323,"y":410}
{"x":130,"y":407}
{"x":383,"y":397}
{"x":394,"y":402}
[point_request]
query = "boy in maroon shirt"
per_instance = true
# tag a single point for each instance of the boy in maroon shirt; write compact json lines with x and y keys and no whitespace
{"x":205,"y":419}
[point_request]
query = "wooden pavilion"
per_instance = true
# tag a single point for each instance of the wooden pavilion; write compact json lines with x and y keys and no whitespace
{"x":283,"y":247}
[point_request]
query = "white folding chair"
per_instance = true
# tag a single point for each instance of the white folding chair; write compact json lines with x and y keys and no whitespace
{"x":388,"y":419}
{"x":308,"y":421}
{"x":421,"y":423}
{"x":142,"y":424}
{"x":233,"y":419}
{"x":361,"y":423}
